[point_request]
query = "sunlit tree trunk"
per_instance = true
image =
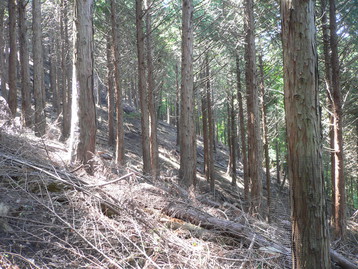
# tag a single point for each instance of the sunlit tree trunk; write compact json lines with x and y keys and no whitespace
{"x":53,"y":76}
{"x":143,"y":89}
{"x":177,"y":104}
{"x":254,"y":130}
{"x":310,"y":242}
{"x":154,"y":154}
{"x":339,"y":182}
{"x":83,"y":124}
{"x":117,"y":82}
{"x":24,"y":65}
{"x":111,"y":133}
{"x":12,"y":98}
{"x":40,"y":118}
{"x":187,"y":172}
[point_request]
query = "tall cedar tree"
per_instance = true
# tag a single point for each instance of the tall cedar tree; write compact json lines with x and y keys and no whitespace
{"x":187,"y":172}
{"x":117,"y":83}
{"x":24,"y":64}
{"x":12,"y":98}
{"x":339,"y":184}
{"x":254,"y":130}
{"x":154,"y":153}
{"x":83,"y":125}
{"x":142,"y":88}
{"x":310,"y":244}
{"x":40,"y":119}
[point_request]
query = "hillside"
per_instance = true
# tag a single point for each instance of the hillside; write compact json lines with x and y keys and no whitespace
{"x":53,"y":215}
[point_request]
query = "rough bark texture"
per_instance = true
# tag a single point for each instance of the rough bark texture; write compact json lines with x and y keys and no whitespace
{"x":24,"y":65}
{"x":2,"y":58}
{"x":339,"y":183}
{"x":12,"y":98}
{"x":265,"y":138}
{"x":143,"y":89}
{"x":187,"y":172}
{"x":111,"y":133}
{"x":254,"y":133}
{"x":66,"y":85}
{"x":40,"y":119}
{"x":117,"y":80}
{"x":242,"y":135}
{"x":232,"y":122}
{"x":177,"y":105}
{"x":154,"y":153}
{"x":309,"y":225}
{"x":53,"y":76}
{"x":83,"y":125}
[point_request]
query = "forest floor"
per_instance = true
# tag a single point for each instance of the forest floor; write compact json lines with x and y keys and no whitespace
{"x":53,"y":215}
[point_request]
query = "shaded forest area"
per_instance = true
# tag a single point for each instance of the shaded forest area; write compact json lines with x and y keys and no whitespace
{"x":178,"y":134}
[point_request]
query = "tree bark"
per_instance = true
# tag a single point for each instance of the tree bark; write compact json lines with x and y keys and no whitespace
{"x":40,"y":118}
{"x":310,"y":240}
{"x":339,"y":182}
{"x":24,"y":64}
{"x":211,"y":135}
{"x":117,"y":80}
{"x":111,"y":133}
{"x":154,"y":153}
{"x":83,"y":125}
{"x":143,"y":89}
{"x":265,"y":136}
{"x":243,"y":136}
{"x":66,"y":70}
{"x":2,"y":58}
{"x":187,"y":172}
{"x":254,"y":133}
{"x":232,"y":140}
{"x":12,"y":98}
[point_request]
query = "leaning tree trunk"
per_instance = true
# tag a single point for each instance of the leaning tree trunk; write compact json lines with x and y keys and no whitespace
{"x":12,"y":98}
{"x":254,"y":133}
{"x":187,"y":172}
{"x":117,"y":80}
{"x":310,"y":242}
{"x":24,"y":64}
{"x":339,"y":184}
{"x":83,"y":125}
{"x":40,"y":119}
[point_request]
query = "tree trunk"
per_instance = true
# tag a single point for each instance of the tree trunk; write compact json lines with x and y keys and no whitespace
{"x":187,"y":172}
{"x":2,"y":58}
{"x":177,"y":104}
{"x":339,"y":183}
{"x":83,"y":125}
{"x":142,"y":89}
{"x":328,"y":81}
{"x":53,"y":76}
{"x":204,"y":113}
{"x":309,"y":227}
{"x":265,"y":136}
{"x":24,"y":64}
{"x":66,"y":85}
{"x":40,"y":118}
{"x":254,"y":134}
{"x":12,"y":98}
{"x":117,"y":82}
{"x":233,"y":140}
{"x":111,"y":133}
{"x":243,"y":136}
{"x":211,"y":128}
{"x":154,"y":154}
